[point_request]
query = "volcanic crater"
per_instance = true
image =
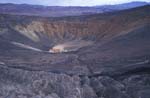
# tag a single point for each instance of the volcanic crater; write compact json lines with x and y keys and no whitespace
{"x":89,"y":56}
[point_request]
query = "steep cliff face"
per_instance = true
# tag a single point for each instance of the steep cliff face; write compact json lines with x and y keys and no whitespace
{"x":90,"y":29}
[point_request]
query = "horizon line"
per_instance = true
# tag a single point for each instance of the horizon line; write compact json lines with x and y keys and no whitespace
{"x":74,"y":5}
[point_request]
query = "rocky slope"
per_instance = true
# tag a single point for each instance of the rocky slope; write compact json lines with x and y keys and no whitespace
{"x":114,"y":65}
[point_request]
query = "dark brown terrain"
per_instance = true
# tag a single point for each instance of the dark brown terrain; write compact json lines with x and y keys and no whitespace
{"x":108,"y":55}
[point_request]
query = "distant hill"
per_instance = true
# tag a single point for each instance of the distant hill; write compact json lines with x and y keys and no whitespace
{"x":125,"y":5}
{"x":58,"y":11}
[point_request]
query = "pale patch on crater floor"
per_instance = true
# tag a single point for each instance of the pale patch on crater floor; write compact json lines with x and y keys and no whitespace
{"x":70,"y":46}
{"x":26,"y":46}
